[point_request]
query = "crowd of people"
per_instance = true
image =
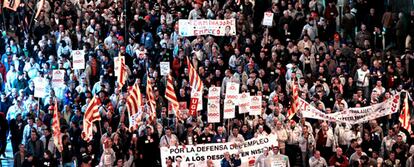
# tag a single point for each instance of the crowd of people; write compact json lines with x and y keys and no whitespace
{"x":341,"y":54}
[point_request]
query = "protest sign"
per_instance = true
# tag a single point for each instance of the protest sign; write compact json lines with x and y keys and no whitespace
{"x":213,"y":112}
{"x":232,"y":92}
{"x":40,"y":87}
{"x":207,"y":27}
{"x":58,"y":78}
{"x":255,"y":105}
{"x":268,"y":19}
{"x":78,"y":59}
{"x":244,"y":102}
{"x":193,"y":106}
{"x":214,"y":93}
{"x":352,"y":115}
{"x":229,"y":110}
{"x":116,"y":64}
{"x":164,"y":68}
{"x":200,"y":153}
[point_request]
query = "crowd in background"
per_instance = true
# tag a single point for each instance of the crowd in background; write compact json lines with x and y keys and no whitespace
{"x":342,"y":54}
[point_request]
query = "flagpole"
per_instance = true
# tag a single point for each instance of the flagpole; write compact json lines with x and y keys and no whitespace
{"x":32,"y":18}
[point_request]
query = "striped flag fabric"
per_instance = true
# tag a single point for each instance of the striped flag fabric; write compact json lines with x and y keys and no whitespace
{"x":57,"y":138}
{"x":196,"y":86}
{"x":151,"y":99}
{"x":295,"y":100}
{"x":171,"y":96}
{"x":91,"y":115}
{"x":133,"y":103}
{"x":405,"y":115}
{"x":122,"y":72}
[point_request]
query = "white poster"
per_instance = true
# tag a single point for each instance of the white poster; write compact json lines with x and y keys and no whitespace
{"x":78,"y":57}
{"x":244,"y":102}
{"x":58,"y":78}
{"x":232,"y":91}
{"x":191,"y":155}
{"x":268,"y":19}
{"x":229,"y":110}
{"x":40,"y":87}
{"x":164,"y":68}
{"x":255,"y":105}
{"x":213,"y":112}
{"x":116,"y":64}
{"x":207,"y":27}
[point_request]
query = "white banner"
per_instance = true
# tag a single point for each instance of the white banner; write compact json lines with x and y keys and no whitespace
{"x":78,"y":57}
{"x":116,"y":64}
{"x":197,"y":155}
{"x":268,"y":19}
{"x":229,"y":109}
{"x":58,"y":78}
{"x":207,"y":27}
{"x":352,"y":115}
{"x":164,"y":68}
{"x":244,"y":102}
{"x":255,"y":105}
{"x":40,"y":87}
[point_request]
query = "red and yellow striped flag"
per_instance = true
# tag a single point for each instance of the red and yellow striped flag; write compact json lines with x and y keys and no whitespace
{"x":196,"y":87}
{"x":295,"y":100}
{"x":91,"y":115}
{"x":122,"y":72}
{"x":133,"y":103}
{"x":57,"y":137}
{"x":151,"y":100}
{"x":171,"y":96}
{"x":405,"y":115}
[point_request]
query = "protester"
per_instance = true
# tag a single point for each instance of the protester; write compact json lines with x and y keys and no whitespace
{"x":114,"y":101}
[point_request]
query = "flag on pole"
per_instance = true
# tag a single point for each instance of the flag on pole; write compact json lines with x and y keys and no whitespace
{"x":91,"y":115}
{"x":57,"y":137}
{"x":151,"y":99}
{"x":11,"y":4}
{"x":133,"y":103}
{"x":295,"y":100}
{"x":122,"y":72}
{"x":405,"y":115}
{"x":196,"y":86}
{"x":171,"y":96}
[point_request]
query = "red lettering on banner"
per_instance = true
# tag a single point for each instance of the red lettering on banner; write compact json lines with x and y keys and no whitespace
{"x":254,"y":107}
{"x":213,"y":114}
{"x":232,"y":96}
{"x":77,"y":61}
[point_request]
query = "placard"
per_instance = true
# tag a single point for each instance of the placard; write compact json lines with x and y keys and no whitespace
{"x":214,"y":93}
{"x":164,"y":68}
{"x":207,"y":27}
{"x":78,"y":59}
{"x":213,"y":112}
{"x":255,"y":105}
{"x":268,"y":19}
{"x":232,"y":91}
{"x":58,"y":78}
{"x":244,"y":102}
{"x":229,"y":110}
{"x":193,"y":106}
{"x":40,"y":87}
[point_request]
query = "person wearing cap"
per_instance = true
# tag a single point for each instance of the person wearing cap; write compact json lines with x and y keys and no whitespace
{"x":292,"y":144}
{"x":307,"y":144}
